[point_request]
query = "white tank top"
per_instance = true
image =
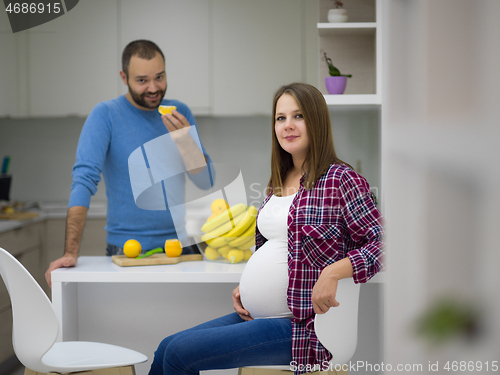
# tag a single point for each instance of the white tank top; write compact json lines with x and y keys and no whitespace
{"x":264,"y":282}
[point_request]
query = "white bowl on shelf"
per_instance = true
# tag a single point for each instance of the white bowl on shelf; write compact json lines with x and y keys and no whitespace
{"x":337,"y":15}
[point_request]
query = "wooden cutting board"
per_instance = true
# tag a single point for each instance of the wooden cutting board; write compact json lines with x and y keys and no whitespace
{"x":19,"y":216}
{"x":154,"y":260}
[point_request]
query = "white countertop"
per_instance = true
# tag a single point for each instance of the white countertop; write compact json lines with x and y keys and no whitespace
{"x":53,"y":210}
{"x":58,"y":210}
{"x":6,"y":225}
{"x":102,"y":269}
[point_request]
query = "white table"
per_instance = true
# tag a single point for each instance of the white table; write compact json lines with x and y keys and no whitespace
{"x":137,"y":307}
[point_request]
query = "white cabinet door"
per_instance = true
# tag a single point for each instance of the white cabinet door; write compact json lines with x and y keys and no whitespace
{"x":9,"y":88}
{"x":223,"y":57}
{"x":74,"y":60}
{"x":258,"y":45}
{"x":181,"y":30}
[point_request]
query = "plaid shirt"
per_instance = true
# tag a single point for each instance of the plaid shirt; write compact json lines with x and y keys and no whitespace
{"x":335,"y":219}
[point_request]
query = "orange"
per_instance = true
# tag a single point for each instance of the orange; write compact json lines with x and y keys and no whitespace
{"x":219,"y":206}
{"x":164,"y":109}
{"x":132,"y":248}
{"x":173,"y":248}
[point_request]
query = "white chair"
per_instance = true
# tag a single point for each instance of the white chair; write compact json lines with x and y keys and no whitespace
{"x":337,"y":329}
{"x":35,"y":329}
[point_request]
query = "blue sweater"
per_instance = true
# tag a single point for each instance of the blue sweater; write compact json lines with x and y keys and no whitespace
{"x":112,"y":131}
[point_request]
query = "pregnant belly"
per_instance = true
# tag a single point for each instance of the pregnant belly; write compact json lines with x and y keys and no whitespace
{"x":264,"y":282}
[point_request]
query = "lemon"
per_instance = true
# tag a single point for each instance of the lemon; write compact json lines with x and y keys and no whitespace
{"x":211,"y":253}
{"x":247,"y":254}
{"x":224,"y":251}
{"x":235,"y":256}
{"x":219,"y":206}
{"x":173,"y":248}
{"x":164,"y":109}
{"x":132,"y":248}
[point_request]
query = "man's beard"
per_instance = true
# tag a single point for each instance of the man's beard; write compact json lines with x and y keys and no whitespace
{"x":141,"y":99}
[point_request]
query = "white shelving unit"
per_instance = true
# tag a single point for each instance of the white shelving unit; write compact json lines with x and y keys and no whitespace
{"x":353,"y":99}
{"x":355,"y":48}
{"x":347,"y":28}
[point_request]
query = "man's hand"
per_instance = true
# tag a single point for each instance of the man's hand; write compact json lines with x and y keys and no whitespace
{"x":64,"y":261}
{"x":178,"y":127}
{"x":238,"y":307}
{"x":75,"y":221}
{"x":176,"y":124}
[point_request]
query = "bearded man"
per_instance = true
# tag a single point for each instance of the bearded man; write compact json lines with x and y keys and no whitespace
{"x":112,"y":131}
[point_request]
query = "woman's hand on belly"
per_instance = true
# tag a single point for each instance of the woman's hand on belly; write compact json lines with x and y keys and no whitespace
{"x":238,"y":306}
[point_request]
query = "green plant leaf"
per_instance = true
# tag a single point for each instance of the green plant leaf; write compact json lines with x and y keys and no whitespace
{"x":332,"y":70}
{"x":445,"y":320}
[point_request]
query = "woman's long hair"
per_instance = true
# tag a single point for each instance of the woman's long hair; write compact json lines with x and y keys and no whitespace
{"x":321,"y":152}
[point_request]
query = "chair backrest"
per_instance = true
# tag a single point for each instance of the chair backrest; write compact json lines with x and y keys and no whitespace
{"x":337,"y":329}
{"x":35,"y":325}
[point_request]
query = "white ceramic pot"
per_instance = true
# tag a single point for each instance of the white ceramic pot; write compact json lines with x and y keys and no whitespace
{"x":337,"y":15}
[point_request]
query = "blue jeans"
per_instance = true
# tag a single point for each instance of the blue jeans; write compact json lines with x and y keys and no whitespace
{"x":224,"y":343}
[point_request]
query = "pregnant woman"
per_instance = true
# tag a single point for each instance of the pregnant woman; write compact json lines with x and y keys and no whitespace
{"x":318,"y":224}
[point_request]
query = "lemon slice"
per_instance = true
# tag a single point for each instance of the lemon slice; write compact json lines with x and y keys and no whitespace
{"x":173,"y":248}
{"x":164,"y":109}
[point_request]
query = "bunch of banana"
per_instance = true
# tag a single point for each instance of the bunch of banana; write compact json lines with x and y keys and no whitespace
{"x":231,"y":233}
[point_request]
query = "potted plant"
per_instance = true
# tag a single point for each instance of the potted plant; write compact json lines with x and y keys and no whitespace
{"x":337,"y":14}
{"x":336,"y":82}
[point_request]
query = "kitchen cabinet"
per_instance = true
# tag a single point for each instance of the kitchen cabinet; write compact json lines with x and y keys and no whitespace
{"x":25,"y":243}
{"x":223,"y":57}
{"x":10,"y":87}
{"x":257,"y":47}
{"x":182,"y":31}
{"x":355,"y":47}
{"x":63,"y":67}
{"x":22,"y":242}
{"x":6,"y":349}
{"x":74,"y":60}
{"x":35,"y":244}
{"x":233,"y":55}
